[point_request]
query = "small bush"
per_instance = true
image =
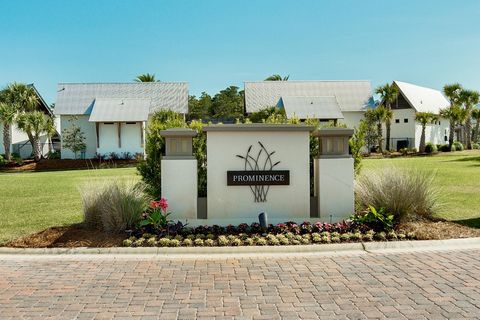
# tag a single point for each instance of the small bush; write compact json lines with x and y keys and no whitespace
{"x":401,"y":192}
{"x":2,"y":160}
{"x":113,"y":206}
{"x":430,"y":148}
{"x":375,"y":219}
{"x":458,"y":146}
{"x":444,"y":148}
{"x":475,"y":146}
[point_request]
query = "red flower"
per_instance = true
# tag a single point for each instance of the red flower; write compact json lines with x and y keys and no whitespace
{"x":154,"y":204}
{"x":163,"y":203}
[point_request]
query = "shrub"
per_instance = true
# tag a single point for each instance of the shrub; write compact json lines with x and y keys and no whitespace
{"x":430,"y":148}
{"x":2,"y":161}
{"x":401,"y":192}
{"x":113,"y":205}
{"x":113,"y":156}
{"x":375,"y":219}
{"x":150,"y":168}
{"x":127,"y":156}
{"x":458,"y":146}
{"x":444,"y":148}
{"x":54,"y":155}
{"x":475,"y":146}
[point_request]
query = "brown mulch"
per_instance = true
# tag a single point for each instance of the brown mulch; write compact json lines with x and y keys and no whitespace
{"x":68,"y":237}
{"x":437,"y":230}
{"x":67,"y":164}
{"x":77,"y":236}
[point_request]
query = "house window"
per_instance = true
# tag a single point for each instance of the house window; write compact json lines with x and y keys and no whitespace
{"x":439,"y":123}
{"x":131,"y":123}
{"x":108,"y":123}
{"x":405,"y":120}
{"x":397,"y":120}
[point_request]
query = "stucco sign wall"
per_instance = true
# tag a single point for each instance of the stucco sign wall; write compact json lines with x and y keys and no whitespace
{"x":258,"y":168}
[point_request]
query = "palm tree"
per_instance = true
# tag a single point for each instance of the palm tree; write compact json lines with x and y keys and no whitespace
{"x":381,"y":114}
{"x":388,"y":94}
{"x":476,"y":116}
{"x":277,"y":77}
{"x":33,"y":124}
{"x":452,"y":92}
{"x":23,"y":95}
{"x":8,"y":112}
{"x":454,"y":114}
{"x":424,"y":118}
{"x":50,"y":130}
{"x":146,"y":77}
{"x":469,"y":99}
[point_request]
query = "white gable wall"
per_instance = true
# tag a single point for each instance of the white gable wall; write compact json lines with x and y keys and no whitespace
{"x":352,"y":118}
{"x":89,"y":131}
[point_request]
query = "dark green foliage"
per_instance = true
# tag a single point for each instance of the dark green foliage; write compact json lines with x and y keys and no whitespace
{"x":430,"y":148}
{"x":228,"y":104}
{"x":377,"y":220}
{"x":262,"y":115}
{"x":444,"y":148}
{"x":199,"y":108}
{"x":357,"y":142}
{"x":150,"y":169}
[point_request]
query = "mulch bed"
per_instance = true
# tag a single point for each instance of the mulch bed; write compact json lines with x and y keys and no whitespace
{"x":67,"y":164}
{"x":437,"y":230}
{"x":77,"y":236}
{"x":68,"y":237}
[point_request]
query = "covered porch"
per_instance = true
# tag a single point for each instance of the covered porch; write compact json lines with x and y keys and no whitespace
{"x":120,"y":126}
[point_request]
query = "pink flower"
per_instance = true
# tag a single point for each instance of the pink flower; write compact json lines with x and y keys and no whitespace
{"x":163,"y":203}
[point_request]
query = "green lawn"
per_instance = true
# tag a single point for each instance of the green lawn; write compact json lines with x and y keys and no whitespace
{"x":33,"y":201}
{"x":458,"y":174}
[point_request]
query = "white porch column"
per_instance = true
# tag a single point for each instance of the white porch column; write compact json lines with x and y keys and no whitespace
{"x":179,"y":173}
{"x":334,"y":175}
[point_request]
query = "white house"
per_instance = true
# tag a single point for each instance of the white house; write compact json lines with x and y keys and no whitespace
{"x":342,"y":101}
{"x":20,"y":144}
{"x":113,"y":116}
{"x":405,"y":131}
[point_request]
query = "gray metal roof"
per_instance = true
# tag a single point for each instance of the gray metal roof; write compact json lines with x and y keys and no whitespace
{"x":120,"y":110}
{"x":353,"y":95}
{"x":312,"y":107}
{"x":78,"y":98}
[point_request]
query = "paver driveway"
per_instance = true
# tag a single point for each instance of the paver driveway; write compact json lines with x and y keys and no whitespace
{"x":421,"y":285}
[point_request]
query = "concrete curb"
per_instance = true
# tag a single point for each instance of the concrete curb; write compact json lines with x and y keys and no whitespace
{"x":334,"y":247}
{"x":417,"y":245}
{"x":360,"y":247}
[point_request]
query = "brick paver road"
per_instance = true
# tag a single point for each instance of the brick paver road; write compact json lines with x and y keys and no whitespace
{"x":421,"y":285}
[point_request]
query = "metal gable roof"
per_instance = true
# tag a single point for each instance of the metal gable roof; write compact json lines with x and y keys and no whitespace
{"x":78,"y":98}
{"x":312,"y":107}
{"x":120,"y":110}
{"x":353,"y":95}
{"x":423,"y":99}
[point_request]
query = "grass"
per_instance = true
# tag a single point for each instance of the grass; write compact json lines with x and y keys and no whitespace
{"x":33,"y":201}
{"x":458,"y":175}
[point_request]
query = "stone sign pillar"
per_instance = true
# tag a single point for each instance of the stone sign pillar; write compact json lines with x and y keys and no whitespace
{"x":179,"y":173}
{"x":334,"y":174}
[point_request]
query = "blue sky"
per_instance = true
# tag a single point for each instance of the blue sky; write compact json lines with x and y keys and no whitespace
{"x":213,"y":44}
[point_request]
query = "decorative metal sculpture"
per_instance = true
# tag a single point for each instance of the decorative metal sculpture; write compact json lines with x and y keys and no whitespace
{"x":261,"y":162}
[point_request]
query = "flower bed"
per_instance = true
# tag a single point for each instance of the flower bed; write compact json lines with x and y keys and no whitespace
{"x":289,"y":233}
